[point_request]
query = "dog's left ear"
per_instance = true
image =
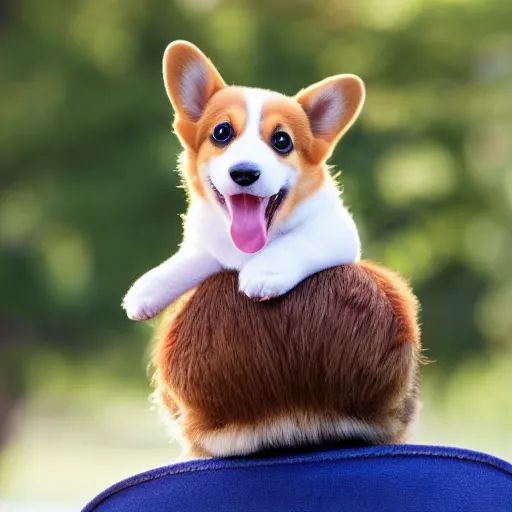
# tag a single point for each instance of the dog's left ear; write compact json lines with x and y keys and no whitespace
{"x":332,"y":106}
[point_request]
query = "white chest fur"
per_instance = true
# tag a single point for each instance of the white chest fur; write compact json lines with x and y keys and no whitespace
{"x":318,"y":234}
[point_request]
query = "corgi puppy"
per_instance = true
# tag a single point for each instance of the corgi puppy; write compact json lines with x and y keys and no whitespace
{"x":234,"y":376}
{"x":262,"y":201}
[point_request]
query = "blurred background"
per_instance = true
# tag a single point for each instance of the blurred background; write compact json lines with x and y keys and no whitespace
{"x":89,"y":201}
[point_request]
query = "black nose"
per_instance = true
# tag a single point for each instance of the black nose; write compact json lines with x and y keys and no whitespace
{"x":244,"y":174}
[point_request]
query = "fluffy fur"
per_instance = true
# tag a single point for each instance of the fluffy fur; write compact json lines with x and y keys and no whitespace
{"x":333,"y":361}
{"x":309,"y":228}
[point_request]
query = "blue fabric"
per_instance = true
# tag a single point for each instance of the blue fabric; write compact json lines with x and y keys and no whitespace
{"x":375,"y":479}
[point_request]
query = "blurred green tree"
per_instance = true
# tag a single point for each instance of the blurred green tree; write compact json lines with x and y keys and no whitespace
{"x":88,"y":192}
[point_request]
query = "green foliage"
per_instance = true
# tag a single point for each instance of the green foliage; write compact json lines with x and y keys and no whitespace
{"x":88,"y":191}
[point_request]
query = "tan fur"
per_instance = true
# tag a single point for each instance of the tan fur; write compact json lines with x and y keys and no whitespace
{"x":341,"y":349}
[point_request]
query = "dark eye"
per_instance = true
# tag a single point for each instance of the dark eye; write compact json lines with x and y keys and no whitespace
{"x":222,"y":133}
{"x":281,"y":142}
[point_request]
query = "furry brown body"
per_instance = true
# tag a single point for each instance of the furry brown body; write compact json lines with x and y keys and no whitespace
{"x":334,"y":360}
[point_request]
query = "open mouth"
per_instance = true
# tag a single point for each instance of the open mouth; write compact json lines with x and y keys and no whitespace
{"x":251,"y":217}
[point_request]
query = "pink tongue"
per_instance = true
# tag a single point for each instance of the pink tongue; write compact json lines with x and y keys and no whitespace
{"x":248,"y":224}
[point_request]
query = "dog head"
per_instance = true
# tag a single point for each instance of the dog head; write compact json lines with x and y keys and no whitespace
{"x":254,"y":154}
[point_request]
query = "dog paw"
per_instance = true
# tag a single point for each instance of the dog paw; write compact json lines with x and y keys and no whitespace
{"x":142,"y":301}
{"x":265,"y":285}
{"x":140,"y":308}
{"x":140,"y":311}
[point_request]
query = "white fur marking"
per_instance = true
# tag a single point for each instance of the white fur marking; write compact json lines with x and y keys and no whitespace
{"x":309,"y":236}
{"x":288,"y":432}
{"x":254,"y":101}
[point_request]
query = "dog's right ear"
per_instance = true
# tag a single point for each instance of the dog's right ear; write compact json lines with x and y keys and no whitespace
{"x":190,"y":79}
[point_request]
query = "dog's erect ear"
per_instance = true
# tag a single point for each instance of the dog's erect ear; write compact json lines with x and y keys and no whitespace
{"x":332,"y":105}
{"x":190,"y":79}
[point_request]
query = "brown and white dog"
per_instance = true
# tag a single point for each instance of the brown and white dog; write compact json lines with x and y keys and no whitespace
{"x":335,"y":361}
{"x":262,"y":201}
